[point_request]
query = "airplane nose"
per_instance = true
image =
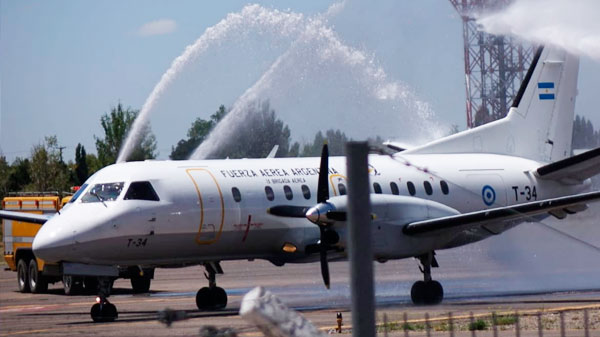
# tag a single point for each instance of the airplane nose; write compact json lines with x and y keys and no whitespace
{"x":51,"y":244}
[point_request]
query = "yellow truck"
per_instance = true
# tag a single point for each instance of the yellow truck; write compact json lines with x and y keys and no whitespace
{"x":18,"y":236}
{"x":33,"y":275}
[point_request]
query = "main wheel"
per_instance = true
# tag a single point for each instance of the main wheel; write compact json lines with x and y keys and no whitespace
{"x":427,"y":293}
{"x":417,"y":293}
{"x":140,"y":284}
{"x":22,"y":277}
{"x":72,"y":285}
{"x":104,"y":312}
{"x":204,"y":299}
{"x":37,"y":282}
{"x":220,"y":297}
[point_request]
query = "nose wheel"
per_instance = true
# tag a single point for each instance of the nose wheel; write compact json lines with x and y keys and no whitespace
{"x":428,"y":291}
{"x":211,"y":297}
{"x":103,"y":310}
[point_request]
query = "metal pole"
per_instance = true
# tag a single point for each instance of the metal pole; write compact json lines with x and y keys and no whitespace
{"x":359,"y":240}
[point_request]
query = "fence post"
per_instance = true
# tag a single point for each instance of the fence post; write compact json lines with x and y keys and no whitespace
{"x":517,"y":325}
{"x":451,"y":324}
{"x":562,"y":324}
{"x":405,"y":324}
{"x":540,"y":327}
{"x":473,"y":334}
{"x":385,"y":325}
{"x":586,"y":322}
{"x":360,"y":249}
{"x":494,"y":326}
{"x":427,"y":326}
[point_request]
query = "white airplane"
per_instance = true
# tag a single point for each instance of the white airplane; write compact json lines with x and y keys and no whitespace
{"x":448,"y":193}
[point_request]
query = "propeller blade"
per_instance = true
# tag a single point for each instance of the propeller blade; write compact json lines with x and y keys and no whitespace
{"x":323,"y":253}
{"x":323,"y":186}
{"x":288,"y":211}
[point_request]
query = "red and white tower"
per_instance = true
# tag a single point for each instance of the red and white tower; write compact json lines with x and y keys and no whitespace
{"x":494,"y":65}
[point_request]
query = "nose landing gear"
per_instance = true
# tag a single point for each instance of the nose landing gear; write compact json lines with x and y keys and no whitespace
{"x":103,"y":310}
{"x":428,"y":291}
{"x":211,"y":297}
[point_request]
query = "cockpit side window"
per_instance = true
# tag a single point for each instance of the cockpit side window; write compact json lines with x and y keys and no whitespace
{"x":103,"y":192}
{"x":141,"y":190}
{"x":78,"y":193}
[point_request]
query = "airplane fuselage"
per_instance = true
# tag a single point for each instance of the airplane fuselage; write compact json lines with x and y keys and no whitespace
{"x":217,"y":209}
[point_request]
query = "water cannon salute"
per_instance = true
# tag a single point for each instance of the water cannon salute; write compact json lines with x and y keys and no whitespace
{"x":446,"y":193}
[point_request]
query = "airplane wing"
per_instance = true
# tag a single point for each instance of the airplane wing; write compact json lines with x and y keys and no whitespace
{"x":556,"y":205}
{"x":25,"y":217}
{"x":575,"y":169}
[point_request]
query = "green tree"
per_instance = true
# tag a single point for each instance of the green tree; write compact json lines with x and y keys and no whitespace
{"x":116,"y":125}
{"x":4,"y":177}
{"x":336,"y":141}
{"x":584,"y":134}
{"x":19,"y":176}
{"x":93,"y":163}
{"x":261,"y":132}
{"x":48,"y":172}
{"x":196,"y":135}
{"x":81,"y":166}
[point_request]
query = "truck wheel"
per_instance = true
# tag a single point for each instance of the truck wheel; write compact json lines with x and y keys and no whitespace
{"x":140,"y":284}
{"x":71,"y":284}
{"x":22,"y":277}
{"x":37,"y":282}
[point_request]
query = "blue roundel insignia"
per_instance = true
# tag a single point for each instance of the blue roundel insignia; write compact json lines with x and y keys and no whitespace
{"x":488,"y":194}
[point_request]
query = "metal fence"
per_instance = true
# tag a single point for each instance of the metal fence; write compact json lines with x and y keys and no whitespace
{"x":573,"y":322}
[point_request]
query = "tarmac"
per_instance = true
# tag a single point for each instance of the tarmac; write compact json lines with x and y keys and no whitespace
{"x":529,"y":269}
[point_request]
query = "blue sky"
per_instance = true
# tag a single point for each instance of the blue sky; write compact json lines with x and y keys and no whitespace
{"x":63,"y":64}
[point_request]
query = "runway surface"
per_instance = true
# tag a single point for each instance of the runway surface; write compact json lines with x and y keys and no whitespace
{"x":528,"y":268}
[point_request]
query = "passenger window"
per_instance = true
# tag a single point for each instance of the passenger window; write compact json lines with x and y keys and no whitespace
{"x":306,"y":192}
{"x":394,"y":187}
{"x":428,"y":188}
{"x":237,"y":196}
{"x":288,"y":192}
{"x":141,"y":190}
{"x":342,"y":189}
{"x":269,"y":193}
{"x":411,"y":188}
{"x":444,"y":186}
{"x":377,"y":188}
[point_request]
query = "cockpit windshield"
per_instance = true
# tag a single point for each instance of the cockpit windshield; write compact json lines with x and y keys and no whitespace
{"x":103,"y":192}
{"x":78,"y":193}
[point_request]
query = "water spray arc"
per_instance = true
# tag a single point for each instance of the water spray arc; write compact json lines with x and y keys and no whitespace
{"x":313,"y":55}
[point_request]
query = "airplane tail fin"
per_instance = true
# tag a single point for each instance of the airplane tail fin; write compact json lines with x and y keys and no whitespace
{"x":539,"y":125}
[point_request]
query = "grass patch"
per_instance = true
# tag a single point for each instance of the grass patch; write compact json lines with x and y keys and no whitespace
{"x":478,"y":325}
{"x":506,"y":320}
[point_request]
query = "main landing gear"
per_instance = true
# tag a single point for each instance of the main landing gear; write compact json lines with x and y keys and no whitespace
{"x":428,"y":291}
{"x":211,"y":297}
{"x":103,"y":310}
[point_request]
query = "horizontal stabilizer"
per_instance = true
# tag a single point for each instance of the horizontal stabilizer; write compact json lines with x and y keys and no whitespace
{"x":573,"y":169}
{"x":25,"y":217}
{"x":508,"y":213}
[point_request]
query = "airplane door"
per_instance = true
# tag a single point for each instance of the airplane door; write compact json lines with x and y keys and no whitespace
{"x":210,"y":200}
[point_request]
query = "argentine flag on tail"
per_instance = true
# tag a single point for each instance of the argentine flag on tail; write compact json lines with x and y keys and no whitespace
{"x":546,"y":90}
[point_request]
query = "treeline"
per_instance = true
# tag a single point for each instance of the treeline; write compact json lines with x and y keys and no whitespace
{"x":45,"y":169}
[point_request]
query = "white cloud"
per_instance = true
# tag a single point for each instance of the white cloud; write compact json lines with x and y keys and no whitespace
{"x":157,"y":27}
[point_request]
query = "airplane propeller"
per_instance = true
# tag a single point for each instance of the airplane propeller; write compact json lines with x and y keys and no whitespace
{"x":323,"y":214}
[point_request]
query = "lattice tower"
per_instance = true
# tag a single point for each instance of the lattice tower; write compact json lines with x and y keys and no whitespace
{"x":494,"y":65}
